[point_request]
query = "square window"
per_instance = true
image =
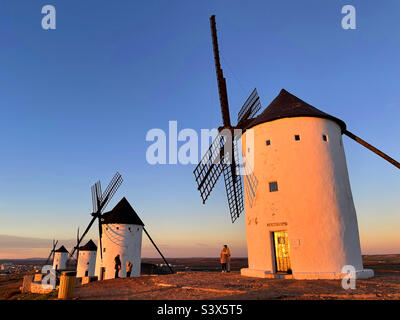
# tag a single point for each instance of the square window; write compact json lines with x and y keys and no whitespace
{"x":297,"y":137}
{"x":273,"y":186}
{"x":324,"y":137}
{"x":268,"y":142}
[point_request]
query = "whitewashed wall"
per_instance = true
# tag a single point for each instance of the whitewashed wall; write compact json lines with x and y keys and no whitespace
{"x":314,"y":199}
{"x":122,"y":239}
{"x":60,"y":260}
{"x":86,"y":262}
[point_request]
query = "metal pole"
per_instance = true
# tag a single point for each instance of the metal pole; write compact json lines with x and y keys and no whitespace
{"x":166,"y":262}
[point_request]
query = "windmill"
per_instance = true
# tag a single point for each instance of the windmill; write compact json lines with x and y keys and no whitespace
{"x":52,"y":251}
{"x":301,"y":220}
{"x":100,"y":201}
{"x":223,"y":154}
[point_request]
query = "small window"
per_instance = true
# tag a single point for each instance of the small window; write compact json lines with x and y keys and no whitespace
{"x":129,"y":229}
{"x":104,"y":249}
{"x":324,"y":137}
{"x":297,"y":137}
{"x":117,"y":228}
{"x":268,"y":142}
{"x":273,"y":186}
{"x":248,"y":149}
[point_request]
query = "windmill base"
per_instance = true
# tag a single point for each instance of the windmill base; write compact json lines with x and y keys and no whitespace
{"x":266,"y":274}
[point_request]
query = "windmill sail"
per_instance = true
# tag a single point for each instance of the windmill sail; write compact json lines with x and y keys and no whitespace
{"x":100,"y":201}
{"x":223,"y":156}
{"x":208,"y":171}
{"x":251,"y":183}
{"x":52,"y":251}
{"x":250,"y":108}
{"x":233,"y":183}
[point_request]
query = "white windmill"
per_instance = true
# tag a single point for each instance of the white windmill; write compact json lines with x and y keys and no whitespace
{"x":86,"y":260}
{"x":300,"y":215}
{"x":60,"y":259}
{"x":120,"y":232}
{"x":122,"y":235}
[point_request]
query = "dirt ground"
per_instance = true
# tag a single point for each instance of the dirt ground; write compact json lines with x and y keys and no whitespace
{"x":189,"y":284}
{"x":215,"y":285}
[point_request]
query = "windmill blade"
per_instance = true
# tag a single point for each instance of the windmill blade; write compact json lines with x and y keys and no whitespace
{"x":94,"y":197}
{"x":208,"y":171}
{"x":100,"y":236}
{"x":48,"y":258}
{"x":223,"y":95}
{"x":233,"y":183}
{"x":54,"y":248}
{"x":372,"y":148}
{"x":77,"y":245}
{"x":110,"y":191}
{"x":250,"y":108}
{"x":52,"y":251}
{"x":83,"y":235}
{"x":251,"y":183}
{"x":99,"y":194}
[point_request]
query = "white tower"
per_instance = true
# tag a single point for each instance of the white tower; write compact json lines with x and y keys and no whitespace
{"x":86,"y":260}
{"x":122,"y":234}
{"x":60,"y":259}
{"x":302,"y":220}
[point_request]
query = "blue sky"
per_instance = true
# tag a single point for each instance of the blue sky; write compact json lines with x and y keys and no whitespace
{"x":76,"y":104}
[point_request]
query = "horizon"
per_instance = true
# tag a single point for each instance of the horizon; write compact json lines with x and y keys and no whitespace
{"x":78,"y":101}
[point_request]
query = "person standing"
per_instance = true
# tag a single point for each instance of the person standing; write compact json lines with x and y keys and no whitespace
{"x":128,"y":268}
{"x":223,"y":259}
{"x":228,"y":258}
{"x":117,"y":261}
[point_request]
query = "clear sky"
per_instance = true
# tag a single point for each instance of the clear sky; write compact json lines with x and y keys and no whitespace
{"x":76,"y":104}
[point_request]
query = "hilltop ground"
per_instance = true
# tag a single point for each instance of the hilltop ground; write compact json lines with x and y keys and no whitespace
{"x":211,"y":284}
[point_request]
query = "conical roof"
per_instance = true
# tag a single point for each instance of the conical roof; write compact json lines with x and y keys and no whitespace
{"x":122,"y":213}
{"x":61,"y":249}
{"x":286,"y":105}
{"x":90,"y":246}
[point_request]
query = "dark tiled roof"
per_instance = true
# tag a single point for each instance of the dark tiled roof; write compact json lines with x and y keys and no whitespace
{"x":122,"y":213}
{"x":286,"y":105}
{"x":61,"y":249}
{"x":90,"y":246}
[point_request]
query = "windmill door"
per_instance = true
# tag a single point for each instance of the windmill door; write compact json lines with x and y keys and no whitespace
{"x":102,"y":273}
{"x":281,"y":246}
